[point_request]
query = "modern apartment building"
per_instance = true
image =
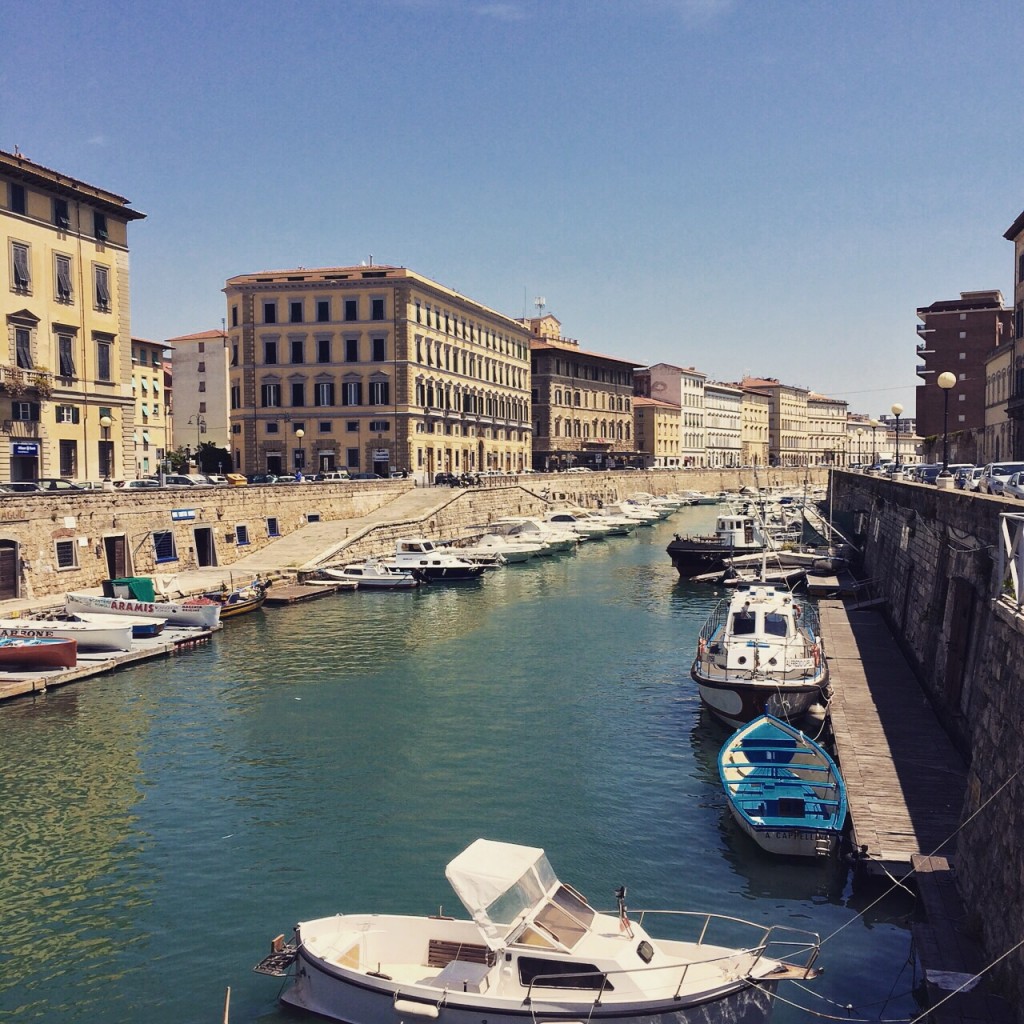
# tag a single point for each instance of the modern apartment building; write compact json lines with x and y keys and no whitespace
{"x":374,"y":369}
{"x":202,"y":374}
{"x":656,"y":428}
{"x":151,"y":437}
{"x":957,"y":336}
{"x":1013,"y":448}
{"x":66,"y":407}
{"x":582,"y":403}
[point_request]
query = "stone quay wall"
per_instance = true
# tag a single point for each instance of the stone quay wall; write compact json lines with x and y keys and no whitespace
{"x":932,"y":556}
{"x":37,"y":530}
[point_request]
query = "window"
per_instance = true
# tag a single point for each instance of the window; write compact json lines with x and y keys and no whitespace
{"x":99,"y":226}
{"x":101,"y":278}
{"x":270,"y":353}
{"x":163,"y":546}
{"x":20,"y":268}
{"x":67,"y":554}
{"x":324,"y":394}
{"x":62,"y":271}
{"x":201,"y":367}
{"x":298,"y":353}
{"x":379,"y":392}
{"x":241,"y":534}
{"x":202,"y":408}
{"x":23,"y":347}
{"x":202,"y":386}
{"x":323,"y":350}
{"x":270,"y":396}
{"x":60,"y":214}
{"x":377,"y":309}
{"x":380,"y":349}
{"x":67,"y":413}
{"x":325,"y":426}
{"x":351,"y":309}
{"x":236,"y":396}
{"x":352,"y":458}
{"x":352,"y":393}
{"x":351,"y":350}
{"x":352,"y":426}
{"x":25,"y":412}
{"x":272,"y":528}
{"x":298,"y":393}
{"x":323,"y":311}
{"x":295,"y":312}
{"x":270,"y":312}
{"x":272,"y":428}
{"x":234,"y":316}
{"x":69,"y":459}
{"x":18,"y":204}
{"x":380,"y":426}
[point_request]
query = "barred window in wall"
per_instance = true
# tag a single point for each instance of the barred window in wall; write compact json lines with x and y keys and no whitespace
{"x":23,"y":348}
{"x":65,"y":355}
{"x":163,"y":546}
{"x":61,"y":266}
{"x":20,"y":265}
{"x":67,"y":554}
{"x":102,"y":280}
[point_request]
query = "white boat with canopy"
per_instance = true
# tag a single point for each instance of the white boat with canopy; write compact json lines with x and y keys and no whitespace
{"x":536,"y":950}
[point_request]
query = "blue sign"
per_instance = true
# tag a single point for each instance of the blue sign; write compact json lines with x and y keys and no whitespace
{"x":178,"y":514}
{"x":30,"y":448}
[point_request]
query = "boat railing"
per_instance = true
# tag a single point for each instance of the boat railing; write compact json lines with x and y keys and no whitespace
{"x":718,"y":615}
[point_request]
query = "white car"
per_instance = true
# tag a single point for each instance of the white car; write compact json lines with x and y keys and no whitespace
{"x":1014,"y":487}
{"x":996,"y":474}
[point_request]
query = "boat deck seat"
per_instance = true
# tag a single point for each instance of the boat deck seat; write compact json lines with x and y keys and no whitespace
{"x":441,"y":952}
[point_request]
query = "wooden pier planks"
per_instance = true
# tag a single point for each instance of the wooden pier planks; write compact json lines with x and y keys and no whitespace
{"x":905,"y":780}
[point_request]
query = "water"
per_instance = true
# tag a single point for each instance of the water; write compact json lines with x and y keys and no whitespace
{"x":163,"y":823}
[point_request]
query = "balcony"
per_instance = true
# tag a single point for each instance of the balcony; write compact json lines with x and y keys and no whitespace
{"x":924,"y":350}
{"x":925,"y":372}
{"x":17,"y":382}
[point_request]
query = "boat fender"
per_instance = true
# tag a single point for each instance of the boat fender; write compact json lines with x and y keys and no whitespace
{"x":701,"y":647}
{"x":796,"y":610}
{"x":817,"y":655}
{"x":416,"y":1009}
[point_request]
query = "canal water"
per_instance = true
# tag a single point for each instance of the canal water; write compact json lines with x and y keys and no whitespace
{"x":161,"y":824}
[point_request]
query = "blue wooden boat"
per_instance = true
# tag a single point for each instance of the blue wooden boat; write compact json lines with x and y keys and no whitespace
{"x":784,"y":790}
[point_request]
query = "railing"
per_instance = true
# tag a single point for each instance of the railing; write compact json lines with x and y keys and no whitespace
{"x":1010,"y":579}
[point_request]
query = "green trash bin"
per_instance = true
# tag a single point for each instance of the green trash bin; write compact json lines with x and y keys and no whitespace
{"x":137,"y":588}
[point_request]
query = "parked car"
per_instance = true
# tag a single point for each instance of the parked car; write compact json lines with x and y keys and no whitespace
{"x":23,"y":487}
{"x":134,"y":485}
{"x":366,"y":476}
{"x":216,"y":479}
{"x":1014,"y":487}
{"x":56,"y":483}
{"x":962,"y":475}
{"x":182,"y":480}
{"x":996,"y":474}
{"x":332,"y":476}
{"x":90,"y":485}
{"x":928,"y":473}
{"x":262,"y":478}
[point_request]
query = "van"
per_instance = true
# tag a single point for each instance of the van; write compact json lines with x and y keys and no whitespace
{"x":333,"y":476}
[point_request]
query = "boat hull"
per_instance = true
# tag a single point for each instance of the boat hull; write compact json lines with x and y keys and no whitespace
{"x":692,"y":558}
{"x":318,"y":988}
{"x":88,"y":637}
{"x":783,"y":842}
{"x":37,"y":653}
{"x":737,"y":701}
{"x":205,"y":615}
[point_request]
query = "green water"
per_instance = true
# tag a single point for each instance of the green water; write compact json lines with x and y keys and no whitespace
{"x":163,"y":823}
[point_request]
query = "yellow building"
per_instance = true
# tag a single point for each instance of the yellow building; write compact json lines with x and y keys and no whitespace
{"x":66,"y":407}
{"x":826,"y":430}
{"x":373,"y":369}
{"x":755,"y":416}
{"x":151,"y":436}
{"x":657,"y":431}
{"x":788,"y":443}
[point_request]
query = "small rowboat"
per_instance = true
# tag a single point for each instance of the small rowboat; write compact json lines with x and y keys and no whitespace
{"x":194,"y":611}
{"x":784,"y":790}
{"x":115,"y":636}
{"x":38,"y":652}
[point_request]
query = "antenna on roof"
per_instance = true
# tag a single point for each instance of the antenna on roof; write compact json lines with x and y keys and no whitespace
{"x":540,"y":302}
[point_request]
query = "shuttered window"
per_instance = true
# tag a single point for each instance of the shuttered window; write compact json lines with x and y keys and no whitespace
{"x":64,"y":290}
{"x":102,"y":288}
{"x":19,"y":257}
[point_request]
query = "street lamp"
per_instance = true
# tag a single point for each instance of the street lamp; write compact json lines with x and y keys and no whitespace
{"x":897,"y":409}
{"x":300,"y":452}
{"x":946,"y":381}
{"x":106,"y":448}
{"x":874,"y":447}
{"x":860,"y":456}
{"x":200,"y":424}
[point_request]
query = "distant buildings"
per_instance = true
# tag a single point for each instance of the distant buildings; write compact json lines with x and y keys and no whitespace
{"x":151,"y":437}
{"x":656,"y":428}
{"x":65,"y":405}
{"x":202,"y":412}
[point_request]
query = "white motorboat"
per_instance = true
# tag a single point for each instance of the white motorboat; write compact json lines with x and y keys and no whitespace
{"x":90,"y":636}
{"x":430,"y":562}
{"x":634,"y":511}
{"x":619,"y":526}
{"x":199,"y":612}
{"x":373,"y":574}
{"x":492,"y":544}
{"x":141,"y":626}
{"x":536,"y":950}
{"x":760,"y":653}
{"x":556,"y":537}
{"x":586,"y":528}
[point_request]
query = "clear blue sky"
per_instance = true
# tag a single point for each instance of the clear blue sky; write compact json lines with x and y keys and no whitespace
{"x":738,"y":185}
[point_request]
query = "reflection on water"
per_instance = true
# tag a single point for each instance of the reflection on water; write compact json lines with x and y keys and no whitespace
{"x":163,"y":823}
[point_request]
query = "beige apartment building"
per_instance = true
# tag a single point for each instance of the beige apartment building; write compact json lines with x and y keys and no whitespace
{"x":723,"y":424}
{"x":151,"y":437}
{"x":755,"y":417}
{"x":826,"y":430}
{"x":656,"y":428}
{"x":373,"y":369}
{"x":582,"y":403}
{"x":66,"y":407}
{"x":682,"y":386}
{"x":202,"y":374}
{"x":787,"y":423}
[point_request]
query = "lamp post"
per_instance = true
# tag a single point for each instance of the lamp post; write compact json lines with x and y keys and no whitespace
{"x":946,"y":381}
{"x":105,"y":448}
{"x":897,"y":409}
{"x":200,"y":424}
{"x":860,"y":456}
{"x":874,"y":447}
{"x":300,"y":452}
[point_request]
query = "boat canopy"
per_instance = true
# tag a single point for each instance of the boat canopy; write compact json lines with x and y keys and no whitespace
{"x":499,"y":883}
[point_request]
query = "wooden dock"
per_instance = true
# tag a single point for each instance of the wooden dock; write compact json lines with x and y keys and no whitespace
{"x":293,"y":593}
{"x":905,"y":780}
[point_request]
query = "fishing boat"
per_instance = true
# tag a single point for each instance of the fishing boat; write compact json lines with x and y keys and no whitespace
{"x":373,"y":574}
{"x":784,"y":790}
{"x":235,"y":601}
{"x":90,"y":636}
{"x":736,"y":533}
{"x":760,"y":652}
{"x":431,"y":563}
{"x":37,"y":652}
{"x":142,"y":626}
{"x":536,"y":950}
{"x":200,"y":612}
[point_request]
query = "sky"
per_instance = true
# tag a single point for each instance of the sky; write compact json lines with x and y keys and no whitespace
{"x":743,"y":186}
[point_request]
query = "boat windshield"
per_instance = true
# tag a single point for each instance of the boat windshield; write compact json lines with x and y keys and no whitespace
{"x":565,"y":916}
{"x":743,"y":622}
{"x":775,"y":624}
{"x":525,"y":893}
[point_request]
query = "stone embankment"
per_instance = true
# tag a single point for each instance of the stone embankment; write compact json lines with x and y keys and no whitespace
{"x":932,"y":557}
{"x":54,"y":543}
